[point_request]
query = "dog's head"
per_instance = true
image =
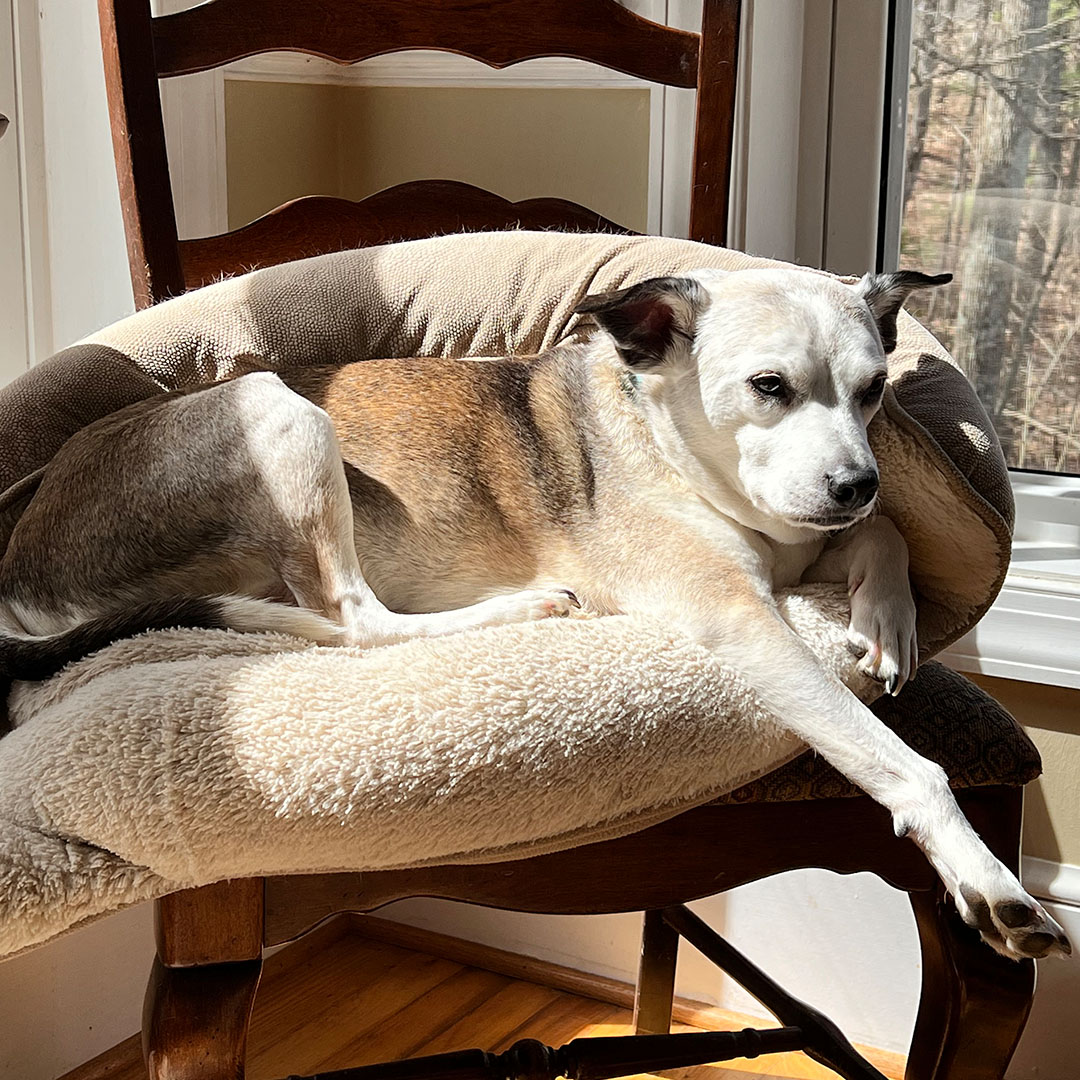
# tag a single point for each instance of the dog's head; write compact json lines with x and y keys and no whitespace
{"x":760,"y":384}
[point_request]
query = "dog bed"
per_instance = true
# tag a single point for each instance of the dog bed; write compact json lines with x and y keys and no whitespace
{"x":180,"y":758}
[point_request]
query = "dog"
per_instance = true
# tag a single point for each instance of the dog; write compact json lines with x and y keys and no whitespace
{"x":707,"y":447}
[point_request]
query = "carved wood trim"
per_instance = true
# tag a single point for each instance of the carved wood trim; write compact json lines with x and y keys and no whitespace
{"x":318,"y":224}
{"x":701,"y":852}
{"x":601,"y":31}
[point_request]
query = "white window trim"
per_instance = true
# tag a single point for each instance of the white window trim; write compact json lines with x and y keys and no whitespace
{"x":26,"y":269}
{"x":1032,"y":632}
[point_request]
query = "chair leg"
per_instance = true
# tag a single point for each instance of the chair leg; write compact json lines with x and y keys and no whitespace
{"x":195,"y":1020}
{"x":655,"y":992}
{"x":974,"y":1003}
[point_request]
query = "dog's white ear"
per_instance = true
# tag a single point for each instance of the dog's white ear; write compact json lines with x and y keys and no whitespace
{"x":885,"y":295}
{"x":651,"y":322}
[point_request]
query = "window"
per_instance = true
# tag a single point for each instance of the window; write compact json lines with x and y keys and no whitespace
{"x":991,"y":190}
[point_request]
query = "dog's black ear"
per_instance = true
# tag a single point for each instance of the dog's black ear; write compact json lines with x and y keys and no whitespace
{"x":885,"y":295}
{"x":649,"y":322}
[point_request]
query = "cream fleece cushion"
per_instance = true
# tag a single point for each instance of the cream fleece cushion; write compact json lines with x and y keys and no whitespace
{"x":180,"y":758}
{"x":183,"y":757}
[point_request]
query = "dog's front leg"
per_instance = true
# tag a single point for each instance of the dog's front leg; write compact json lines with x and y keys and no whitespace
{"x":717,"y":606}
{"x":871,"y":559}
{"x":805,"y":698}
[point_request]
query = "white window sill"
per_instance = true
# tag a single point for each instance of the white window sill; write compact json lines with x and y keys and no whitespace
{"x":1032,"y":632}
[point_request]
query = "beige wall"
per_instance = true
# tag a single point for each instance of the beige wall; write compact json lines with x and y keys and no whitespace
{"x":281,"y":143}
{"x":289,"y":139}
{"x":1051,"y":716}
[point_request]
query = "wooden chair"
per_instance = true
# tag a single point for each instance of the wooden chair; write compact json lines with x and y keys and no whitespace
{"x":210,"y":940}
{"x":139,"y":50}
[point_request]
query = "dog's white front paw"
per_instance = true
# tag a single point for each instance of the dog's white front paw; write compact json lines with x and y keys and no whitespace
{"x":882,"y":633}
{"x":1011,"y":922}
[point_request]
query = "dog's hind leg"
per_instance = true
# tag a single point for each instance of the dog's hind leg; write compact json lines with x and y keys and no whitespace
{"x":307,"y":503}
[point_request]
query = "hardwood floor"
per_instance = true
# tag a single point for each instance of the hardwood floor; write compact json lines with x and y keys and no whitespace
{"x":360,"y":990}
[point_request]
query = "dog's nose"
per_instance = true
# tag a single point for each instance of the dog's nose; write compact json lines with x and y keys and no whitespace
{"x":853,"y":488}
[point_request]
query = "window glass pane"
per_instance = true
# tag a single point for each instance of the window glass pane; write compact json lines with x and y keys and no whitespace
{"x":991,"y":192}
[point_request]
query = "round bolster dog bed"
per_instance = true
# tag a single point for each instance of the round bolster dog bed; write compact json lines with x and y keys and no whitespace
{"x":183,"y":757}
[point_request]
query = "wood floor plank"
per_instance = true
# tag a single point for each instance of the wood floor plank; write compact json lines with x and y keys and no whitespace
{"x":349,"y":1003}
{"x":123,"y":1062}
{"x":320,"y":977}
{"x":505,"y":1011}
{"x":569,"y":1017}
{"x":421,"y":1021}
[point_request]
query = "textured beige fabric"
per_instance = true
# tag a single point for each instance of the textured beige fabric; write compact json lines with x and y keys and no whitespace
{"x":177,"y":759}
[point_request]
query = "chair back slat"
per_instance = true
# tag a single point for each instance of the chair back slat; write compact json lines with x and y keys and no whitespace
{"x":347,"y":31}
{"x":139,"y":50}
{"x":138,"y":136}
{"x":318,"y":224}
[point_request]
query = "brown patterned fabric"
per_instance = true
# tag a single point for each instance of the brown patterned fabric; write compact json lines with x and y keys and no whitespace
{"x":941,"y":715}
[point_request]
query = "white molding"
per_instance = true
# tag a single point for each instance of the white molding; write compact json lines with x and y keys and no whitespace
{"x":654,"y":212}
{"x":860,"y":32}
{"x":30,"y":133}
{"x":427,"y":68}
{"x":1032,"y":632}
{"x":1047,"y":880}
{"x":193,"y":111}
{"x":14,"y":328}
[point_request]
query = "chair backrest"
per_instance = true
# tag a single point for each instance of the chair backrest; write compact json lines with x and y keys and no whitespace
{"x":139,"y":50}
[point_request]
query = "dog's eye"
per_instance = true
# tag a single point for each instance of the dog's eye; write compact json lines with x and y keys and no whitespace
{"x":770,"y":385}
{"x":874,"y":391}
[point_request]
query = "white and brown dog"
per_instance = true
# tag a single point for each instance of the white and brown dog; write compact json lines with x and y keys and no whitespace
{"x":709,"y":448}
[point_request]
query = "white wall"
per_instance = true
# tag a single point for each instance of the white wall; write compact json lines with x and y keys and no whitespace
{"x":826,"y":938}
{"x":87,"y":256}
{"x":75,"y":997}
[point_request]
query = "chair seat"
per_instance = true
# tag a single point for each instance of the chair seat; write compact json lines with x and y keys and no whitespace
{"x":943,"y":716}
